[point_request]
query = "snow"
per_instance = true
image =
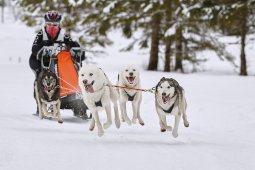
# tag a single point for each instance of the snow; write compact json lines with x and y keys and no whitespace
{"x":171,"y":30}
{"x":221,"y":113}
{"x":108,"y":8}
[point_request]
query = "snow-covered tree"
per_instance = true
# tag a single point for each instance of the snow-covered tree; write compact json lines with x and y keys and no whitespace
{"x":237,"y":18}
{"x":78,"y":17}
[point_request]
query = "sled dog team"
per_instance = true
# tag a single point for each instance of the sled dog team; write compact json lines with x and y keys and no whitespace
{"x":98,"y":94}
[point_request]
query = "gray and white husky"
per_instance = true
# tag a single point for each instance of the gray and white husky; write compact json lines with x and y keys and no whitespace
{"x":98,"y":95}
{"x":47,"y":92}
{"x":129,"y":77}
{"x":170,"y":99}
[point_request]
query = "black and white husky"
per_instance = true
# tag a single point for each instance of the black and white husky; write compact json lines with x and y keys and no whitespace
{"x":170,"y":99}
{"x":47,"y":93}
{"x":98,"y":95}
{"x":129,"y":77}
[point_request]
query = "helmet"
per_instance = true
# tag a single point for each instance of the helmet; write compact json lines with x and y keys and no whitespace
{"x":52,"y":16}
{"x":52,"y":23}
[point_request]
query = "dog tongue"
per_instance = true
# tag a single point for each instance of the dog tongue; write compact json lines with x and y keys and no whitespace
{"x":166,"y":98}
{"x":89,"y":88}
{"x":131,"y":79}
{"x":47,"y":88}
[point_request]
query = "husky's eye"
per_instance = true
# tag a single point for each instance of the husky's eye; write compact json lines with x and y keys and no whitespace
{"x":90,"y":74}
{"x":126,"y":70}
{"x":133,"y":69}
{"x":168,"y":87}
{"x":82,"y":75}
{"x":161,"y":87}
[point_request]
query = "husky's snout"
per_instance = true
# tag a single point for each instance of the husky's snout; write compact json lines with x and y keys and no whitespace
{"x":165,"y":97}
{"x":131,"y":78}
{"x":88,"y":87}
{"x":85,"y":82}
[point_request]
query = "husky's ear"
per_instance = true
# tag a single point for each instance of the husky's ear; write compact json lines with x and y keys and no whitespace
{"x":163,"y":79}
{"x":174,"y":82}
{"x":178,"y":88}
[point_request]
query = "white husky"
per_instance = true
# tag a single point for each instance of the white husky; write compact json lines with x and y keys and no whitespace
{"x":170,"y":99}
{"x":130,"y":78}
{"x":97,"y":95}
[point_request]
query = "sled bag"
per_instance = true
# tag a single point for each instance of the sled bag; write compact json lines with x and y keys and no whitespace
{"x":68,"y":77}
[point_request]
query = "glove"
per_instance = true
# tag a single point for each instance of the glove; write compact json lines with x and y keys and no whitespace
{"x":49,"y":51}
{"x":76,"y":53}
{"x":83,"y":57}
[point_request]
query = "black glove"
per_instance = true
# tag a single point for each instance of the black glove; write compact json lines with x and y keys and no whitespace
{"x":83,"y":57}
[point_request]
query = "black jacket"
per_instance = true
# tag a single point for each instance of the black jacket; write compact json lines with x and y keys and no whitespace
{"x":39,"y":43}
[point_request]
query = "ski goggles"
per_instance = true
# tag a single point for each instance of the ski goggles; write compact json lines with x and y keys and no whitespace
{"x":54,"y":24}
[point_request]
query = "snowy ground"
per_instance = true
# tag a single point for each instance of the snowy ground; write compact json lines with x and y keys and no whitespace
{"x":221,"y":113}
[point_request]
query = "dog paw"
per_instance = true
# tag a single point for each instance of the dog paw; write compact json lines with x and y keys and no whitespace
{"x":134,"y":120}
{"x":141,"y":122}
{"x":41,"y":116}
{"x":100,"y":133}
{"x":60,"y":121}
{"x":186,"y":124}
{"x":175,"y":134}
{"x":117,"y":123}
{"x":128,"y":121}
{"x":107,"y":125}
{"x":91,"y":127}
{"x":162,"y":130}
{"x":169,"y":128}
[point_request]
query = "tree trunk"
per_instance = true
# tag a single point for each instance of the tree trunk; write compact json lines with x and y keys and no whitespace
{"x":168,"y":40}
{"x":168,"y":43}
{"x":153,"y":63}
{"x":243,"y":68}
{"x":68,"y":27}
{"x":3,"y":4}
{"x":178,"y":54}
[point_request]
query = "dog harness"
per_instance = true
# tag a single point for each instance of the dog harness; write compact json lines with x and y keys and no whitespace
{"x":169,"y":110}
{"x":130,"y":98}
{"x":98,"y":104}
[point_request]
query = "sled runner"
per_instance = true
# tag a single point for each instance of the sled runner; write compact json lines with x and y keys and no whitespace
{"x":59,"y":60}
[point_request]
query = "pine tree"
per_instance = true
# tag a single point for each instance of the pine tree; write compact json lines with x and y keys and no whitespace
{"x":78,"y":17}
{"x":237,"y":18}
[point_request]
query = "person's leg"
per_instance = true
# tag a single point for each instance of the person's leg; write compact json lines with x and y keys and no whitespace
{"x":35,"y":65}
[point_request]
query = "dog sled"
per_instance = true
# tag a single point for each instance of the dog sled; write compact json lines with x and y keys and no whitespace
{"x":59,"y":60}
